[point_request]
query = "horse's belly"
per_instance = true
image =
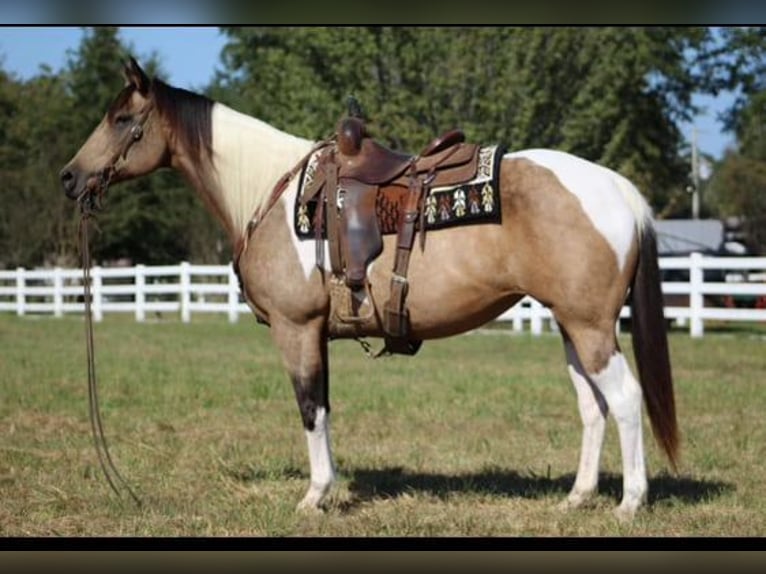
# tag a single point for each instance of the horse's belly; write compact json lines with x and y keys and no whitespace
{"x":453,"y":285}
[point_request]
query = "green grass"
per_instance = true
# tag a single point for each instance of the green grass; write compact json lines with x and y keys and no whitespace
{"x":476,"y":436}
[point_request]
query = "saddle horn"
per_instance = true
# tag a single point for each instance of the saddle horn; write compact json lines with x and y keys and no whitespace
{"x":351,"y":129}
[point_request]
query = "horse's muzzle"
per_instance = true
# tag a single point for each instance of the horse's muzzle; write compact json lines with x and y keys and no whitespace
{"x":75,"y":182}
{"x":72,"y":182}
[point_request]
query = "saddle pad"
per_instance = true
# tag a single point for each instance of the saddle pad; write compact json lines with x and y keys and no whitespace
{"x":474,"y":201}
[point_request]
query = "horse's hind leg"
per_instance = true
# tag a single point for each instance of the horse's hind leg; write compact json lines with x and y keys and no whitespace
{"x":593,"y":411}
{"x":604,"y":365}
{"x":304,"y":353}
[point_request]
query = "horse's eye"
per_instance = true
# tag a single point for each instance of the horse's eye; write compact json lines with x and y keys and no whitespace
{"x":122,"y":120}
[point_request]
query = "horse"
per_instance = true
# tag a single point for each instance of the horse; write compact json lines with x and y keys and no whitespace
{"x":574,"y":235}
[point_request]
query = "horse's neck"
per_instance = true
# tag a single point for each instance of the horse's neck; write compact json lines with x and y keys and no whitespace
{"x":249,"y":156}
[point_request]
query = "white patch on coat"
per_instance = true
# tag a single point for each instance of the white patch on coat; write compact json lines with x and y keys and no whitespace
{"x":612,"y":203}
{"x":306,"y":249}
{"x":249,"y":158}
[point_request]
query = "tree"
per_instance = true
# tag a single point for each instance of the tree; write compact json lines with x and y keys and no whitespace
{"x":37,"y":223}
{"x":612,"y":95}
{"x":43,"y":121}
{"x":152,"y":220}
{"x":738,"y":186}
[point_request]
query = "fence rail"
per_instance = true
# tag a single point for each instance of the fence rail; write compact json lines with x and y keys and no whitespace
{"x":696,"y":289}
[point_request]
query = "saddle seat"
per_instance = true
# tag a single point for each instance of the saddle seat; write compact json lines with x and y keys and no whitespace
{"x":362,"y":158}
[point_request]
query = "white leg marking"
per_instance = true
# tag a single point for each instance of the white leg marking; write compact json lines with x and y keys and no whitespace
{"x":593,"y":411}
{"x":320,"y":460}
{"x":623,"y":395}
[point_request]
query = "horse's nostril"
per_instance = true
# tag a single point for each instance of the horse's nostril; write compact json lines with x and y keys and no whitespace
{"x":68,"y":180}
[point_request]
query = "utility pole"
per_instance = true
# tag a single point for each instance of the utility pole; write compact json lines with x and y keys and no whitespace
{"x":695,"y":177}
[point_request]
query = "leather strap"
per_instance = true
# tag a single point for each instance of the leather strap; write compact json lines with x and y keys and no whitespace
{"x":396,"y":318}
{"x":333,"y":236}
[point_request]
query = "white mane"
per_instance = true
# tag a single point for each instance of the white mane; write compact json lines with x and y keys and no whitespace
{"x":249,"y":156}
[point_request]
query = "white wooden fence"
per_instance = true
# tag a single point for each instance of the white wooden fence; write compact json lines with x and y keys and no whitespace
{"x":188,"y":289}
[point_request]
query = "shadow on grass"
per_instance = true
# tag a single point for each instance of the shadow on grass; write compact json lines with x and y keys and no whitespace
{"x":372,"y":484}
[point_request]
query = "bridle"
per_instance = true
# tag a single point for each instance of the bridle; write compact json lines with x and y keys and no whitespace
{"x":90,"y":202}
{"x":90,"y":199}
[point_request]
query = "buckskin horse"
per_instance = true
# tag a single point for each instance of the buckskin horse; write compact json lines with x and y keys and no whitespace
{"x":576,"y":236}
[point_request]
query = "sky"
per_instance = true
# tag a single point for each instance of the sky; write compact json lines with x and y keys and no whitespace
{"x":190,"y":55}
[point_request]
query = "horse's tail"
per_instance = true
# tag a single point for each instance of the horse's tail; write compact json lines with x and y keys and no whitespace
{"x":650,"y":345}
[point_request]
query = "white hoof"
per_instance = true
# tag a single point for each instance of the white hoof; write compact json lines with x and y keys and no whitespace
{"x":630,"y":504}
{"x":577,"y":499}
{"x":625,"y":513}
{"x":312,"y":502}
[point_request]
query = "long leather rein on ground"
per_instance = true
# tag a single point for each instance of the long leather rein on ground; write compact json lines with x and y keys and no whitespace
{"x":110,"y":471}
{"x":89,"y":202}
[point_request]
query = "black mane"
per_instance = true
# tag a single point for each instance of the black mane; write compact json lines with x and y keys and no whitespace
{"x":189,"y":115}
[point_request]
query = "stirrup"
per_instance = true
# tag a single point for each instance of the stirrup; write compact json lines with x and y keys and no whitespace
{"x":344,"y":295}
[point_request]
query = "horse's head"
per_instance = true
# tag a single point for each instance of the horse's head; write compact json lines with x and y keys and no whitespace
{"x":129,"y":141}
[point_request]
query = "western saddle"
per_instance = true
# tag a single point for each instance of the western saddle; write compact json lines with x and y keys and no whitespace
{"x":353,"y":180}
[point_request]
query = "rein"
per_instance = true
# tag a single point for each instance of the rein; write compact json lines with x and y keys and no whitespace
{"x":94,"y":411}
{"x":90,"y":203}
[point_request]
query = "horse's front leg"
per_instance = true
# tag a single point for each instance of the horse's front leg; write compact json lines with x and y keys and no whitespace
{"x":304,"y":353}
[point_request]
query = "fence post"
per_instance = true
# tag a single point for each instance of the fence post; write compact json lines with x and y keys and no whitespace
{"x":185,"y":285}
{"x":696,"y":302}
{"x":20,"y":296}
{"x":535,"y":318}
{"x":97,"y":302}
{"x":518,"y":321}
{"x":140,"y":298}
{"x":233,"y":296}
{"x":58,"y":295}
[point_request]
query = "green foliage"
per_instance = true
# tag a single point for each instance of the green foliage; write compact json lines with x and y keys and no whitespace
{"x":738,"y":187}
{"x":609,"y":95}
{"x":36,"y":224}
{"x":157,"y":220}
{"x":42,"y":123}
{"x":93,"y":78}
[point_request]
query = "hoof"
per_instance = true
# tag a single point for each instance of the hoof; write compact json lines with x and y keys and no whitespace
{"x":312,"y":502}
{"x":309,"y":507}
{"x":630,"y":504}
{"x":624,"y":513}
{"x":576,"y":500}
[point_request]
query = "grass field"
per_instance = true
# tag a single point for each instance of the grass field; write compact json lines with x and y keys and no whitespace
{"x":476,"y":436}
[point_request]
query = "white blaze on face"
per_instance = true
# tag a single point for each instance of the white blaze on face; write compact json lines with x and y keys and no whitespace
{"x":611,"y":202}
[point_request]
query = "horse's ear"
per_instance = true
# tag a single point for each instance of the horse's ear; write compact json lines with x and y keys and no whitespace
{"x":136,"y":76}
